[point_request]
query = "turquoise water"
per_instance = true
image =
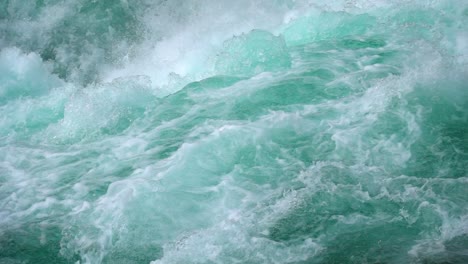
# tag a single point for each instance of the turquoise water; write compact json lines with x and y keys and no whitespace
{"x":247,"y":132}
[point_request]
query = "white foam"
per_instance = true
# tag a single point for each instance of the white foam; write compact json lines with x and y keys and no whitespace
{"x":185,"y":43}
{"x":24,"y":74}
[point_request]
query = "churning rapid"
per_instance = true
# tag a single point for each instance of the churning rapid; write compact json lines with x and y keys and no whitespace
{"x":250,"y":131}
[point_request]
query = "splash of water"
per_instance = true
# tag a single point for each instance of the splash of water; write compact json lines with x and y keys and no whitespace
{"x":247,"y":132}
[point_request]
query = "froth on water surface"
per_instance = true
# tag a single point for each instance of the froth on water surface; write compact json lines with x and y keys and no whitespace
{"x":244,"y":132}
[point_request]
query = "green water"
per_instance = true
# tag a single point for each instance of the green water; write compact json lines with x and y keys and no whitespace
{"x":247,"y":132}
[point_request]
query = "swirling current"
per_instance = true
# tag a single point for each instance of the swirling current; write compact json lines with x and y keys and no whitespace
{"x":250,"y":131}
